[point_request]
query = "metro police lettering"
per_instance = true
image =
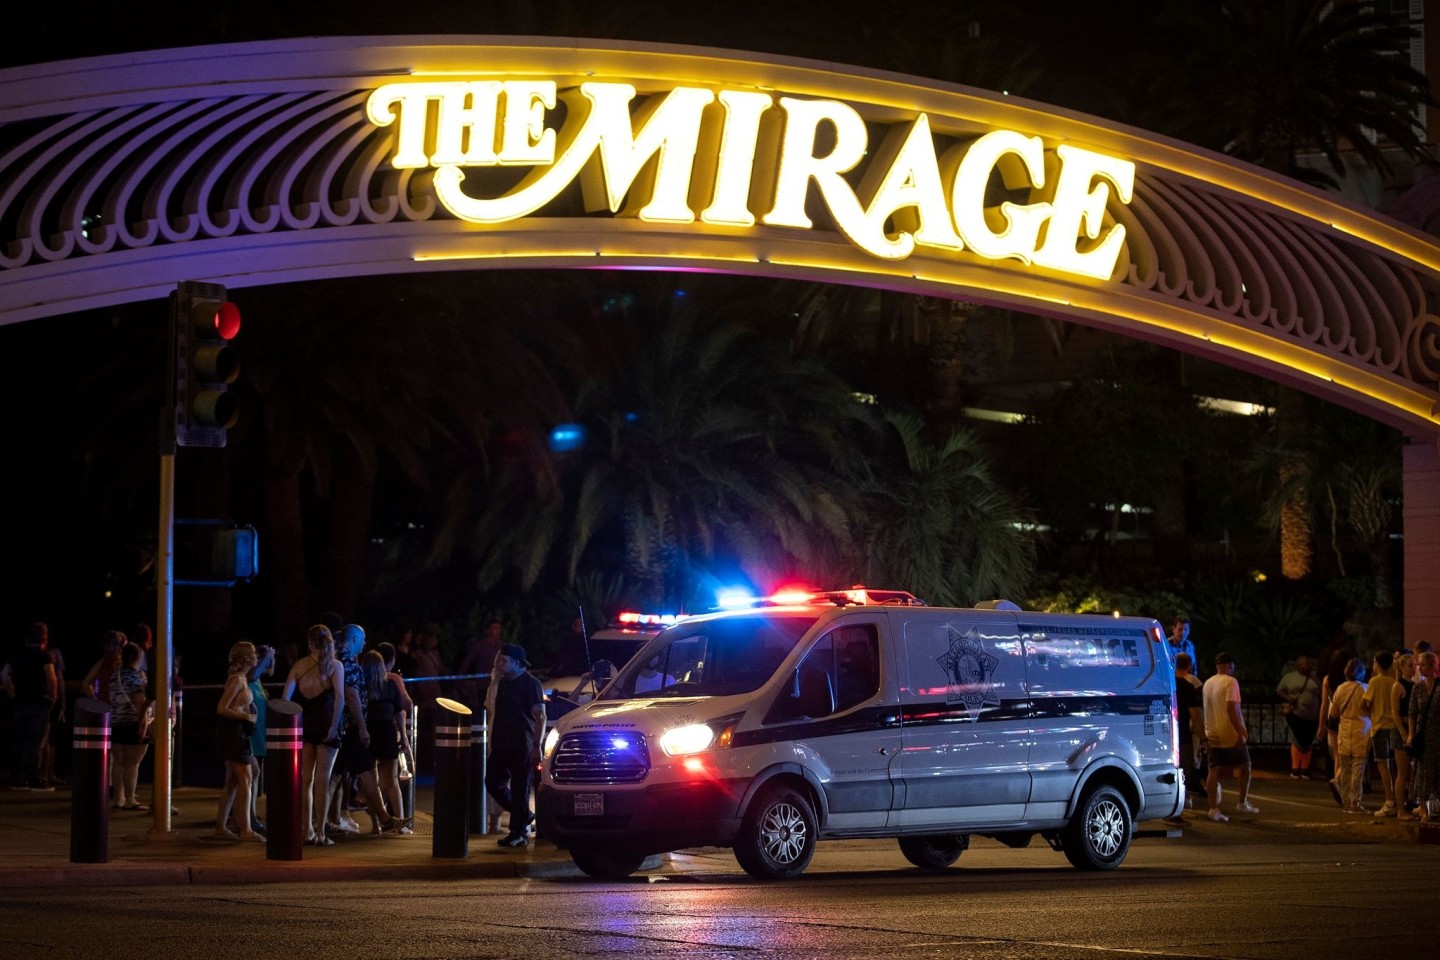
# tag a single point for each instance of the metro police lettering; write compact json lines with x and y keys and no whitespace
{"x":731,"y":153}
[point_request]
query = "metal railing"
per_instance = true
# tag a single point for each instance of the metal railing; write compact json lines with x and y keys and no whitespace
{"x":1266,"y":724}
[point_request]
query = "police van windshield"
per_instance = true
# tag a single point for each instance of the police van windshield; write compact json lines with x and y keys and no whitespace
{"x":711,"y":658}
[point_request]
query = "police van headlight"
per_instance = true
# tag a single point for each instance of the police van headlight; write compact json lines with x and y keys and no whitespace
{"x":699,"y":737}
{"x":691,"y":738}
{"x":551,"y":738}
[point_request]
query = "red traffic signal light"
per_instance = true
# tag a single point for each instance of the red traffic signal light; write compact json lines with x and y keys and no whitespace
{"x":206,"y":363}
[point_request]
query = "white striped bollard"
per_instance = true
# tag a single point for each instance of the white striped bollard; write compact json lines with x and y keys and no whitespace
{"x":90,"y":783}
{"x":452,"y":779}
{"x":284,"y":806}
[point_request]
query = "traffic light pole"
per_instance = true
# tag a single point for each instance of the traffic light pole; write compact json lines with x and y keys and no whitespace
{"x":197,"y":412}
{"x":164,"y":647}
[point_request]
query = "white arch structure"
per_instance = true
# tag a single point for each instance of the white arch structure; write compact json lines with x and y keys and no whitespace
{"x":294,"y":160}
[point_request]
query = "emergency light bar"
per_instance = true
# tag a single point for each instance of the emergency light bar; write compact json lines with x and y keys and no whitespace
{"x":630,"y":617}
{"x":858,"y":595}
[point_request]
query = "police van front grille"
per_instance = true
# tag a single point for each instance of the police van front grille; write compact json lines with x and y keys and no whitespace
{"x":601,"y":758}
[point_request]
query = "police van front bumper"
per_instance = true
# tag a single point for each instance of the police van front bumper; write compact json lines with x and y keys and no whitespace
{"x":655,"y":818}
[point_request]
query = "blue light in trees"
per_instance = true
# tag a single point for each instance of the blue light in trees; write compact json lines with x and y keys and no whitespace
{"x":567,"y":437}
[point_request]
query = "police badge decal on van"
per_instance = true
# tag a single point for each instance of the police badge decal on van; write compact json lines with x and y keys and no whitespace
{"x":971,"y":672}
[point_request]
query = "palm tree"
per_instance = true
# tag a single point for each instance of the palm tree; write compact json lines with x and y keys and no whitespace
{"x":707,"y":443}
{"x":1270,"y":80}
{"x":938,"y":523}
{"x":1343,"y":471}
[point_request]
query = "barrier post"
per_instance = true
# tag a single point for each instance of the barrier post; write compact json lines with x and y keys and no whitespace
{"x":177,"y":741}
{"x":90,"y":783}
{"x":407,"y":795}
{"x":284,"y":833}
{"x":452,"y":779}
{"x":479,"y":754}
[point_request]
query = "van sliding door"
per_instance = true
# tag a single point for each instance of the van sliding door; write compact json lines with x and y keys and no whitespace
{"x":965,"y":720}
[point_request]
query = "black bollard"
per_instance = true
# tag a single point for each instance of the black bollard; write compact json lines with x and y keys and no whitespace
{"x":479,"y":751}
{"x":284,"y":806}
{"x":90,"y":783}
{"x":452,"y":779}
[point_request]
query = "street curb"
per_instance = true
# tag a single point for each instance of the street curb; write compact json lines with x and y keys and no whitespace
{"x":282,"y":872}
{"x":179,"y":874}
{"x":96,"y":875}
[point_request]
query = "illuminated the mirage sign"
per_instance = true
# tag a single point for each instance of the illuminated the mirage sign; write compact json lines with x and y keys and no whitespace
{"x":706,"y":159}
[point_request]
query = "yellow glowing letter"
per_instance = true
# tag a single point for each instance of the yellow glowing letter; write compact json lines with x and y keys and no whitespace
{"x":1080,"y":205}
{"x":466,"y":108}
{"x":903,"y":182}
{"x":1012,"y":229}
{"x":733,"y":161}
{"x":799,"y":165}
{"x":669,"y":131}
{"x":526,"y":141}
{"x":413,"y":100}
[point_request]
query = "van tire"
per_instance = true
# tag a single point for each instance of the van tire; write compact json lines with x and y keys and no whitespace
{"x":777,"y":836}
{"x":934,"y":853}
{"x":1098,"y":838}
{"x":606,"y":865}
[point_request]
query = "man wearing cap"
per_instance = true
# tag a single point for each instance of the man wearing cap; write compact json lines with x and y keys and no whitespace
{"x":516,"y":732}
{"x":1226,"y":735}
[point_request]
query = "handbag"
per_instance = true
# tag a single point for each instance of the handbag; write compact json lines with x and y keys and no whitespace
{"x":1332,"y":722}
{"x":147,"y":721}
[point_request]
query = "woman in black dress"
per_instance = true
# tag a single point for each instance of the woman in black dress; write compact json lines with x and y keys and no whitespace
{"x":233,"y":727}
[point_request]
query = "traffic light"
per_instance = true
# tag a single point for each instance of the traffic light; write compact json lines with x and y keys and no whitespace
{"x":203,"y":324}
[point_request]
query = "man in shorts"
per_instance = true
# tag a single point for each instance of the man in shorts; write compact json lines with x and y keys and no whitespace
{"x":1378,"y":704}
{"x":1226,"y":736}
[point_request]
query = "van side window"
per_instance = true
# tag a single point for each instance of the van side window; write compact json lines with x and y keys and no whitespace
{"x":840,"y":671}
{"x":857,"y":665}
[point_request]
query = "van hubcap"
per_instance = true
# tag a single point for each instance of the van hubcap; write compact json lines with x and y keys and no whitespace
{"x":1106,"y":828}
{"x":783,"y":833}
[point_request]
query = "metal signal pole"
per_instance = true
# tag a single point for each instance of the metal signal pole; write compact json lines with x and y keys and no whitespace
{"x":160,"y":805}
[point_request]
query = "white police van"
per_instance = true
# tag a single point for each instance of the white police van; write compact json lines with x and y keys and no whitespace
{"x":863,"y":713}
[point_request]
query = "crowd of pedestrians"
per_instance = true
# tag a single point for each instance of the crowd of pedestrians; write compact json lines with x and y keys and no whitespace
{"x":355,"y":711}
{"x":1376,"y":721}
{"x":1385,"y":717}
{"x":355,"y":720}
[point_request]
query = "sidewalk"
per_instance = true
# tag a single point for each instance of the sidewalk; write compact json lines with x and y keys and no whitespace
{"x":35,"y":842}
{"x":35,"y":849}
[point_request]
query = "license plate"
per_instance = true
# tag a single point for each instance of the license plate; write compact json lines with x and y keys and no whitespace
{"x":589,"y":804}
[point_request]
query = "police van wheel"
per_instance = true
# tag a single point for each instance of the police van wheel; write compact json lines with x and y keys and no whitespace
{"x":1099,"y":836}
{"x":934,"y":853}
{"x":606,"y":865}
{"x":777,"y":838}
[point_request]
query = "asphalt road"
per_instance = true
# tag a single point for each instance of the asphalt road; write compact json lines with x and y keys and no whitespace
{"x":1208,"y":895}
